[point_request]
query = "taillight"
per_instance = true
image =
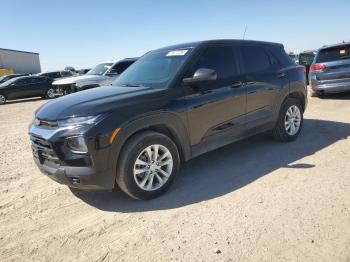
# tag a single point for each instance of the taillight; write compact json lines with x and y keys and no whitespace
{"x":318,"y":67}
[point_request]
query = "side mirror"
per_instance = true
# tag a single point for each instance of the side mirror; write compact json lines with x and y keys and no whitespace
{"x":112,"y":72}
{"x":201,"y":75}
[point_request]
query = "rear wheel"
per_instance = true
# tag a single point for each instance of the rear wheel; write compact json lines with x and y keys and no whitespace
{"x":2,"y":99}
{"x":148,"y":165}
{"x":290,"y":121}
{"x":50,"y":93}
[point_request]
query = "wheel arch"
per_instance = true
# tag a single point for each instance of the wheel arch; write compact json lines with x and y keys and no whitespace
{"x":168,"y":124}
{"x":296,"y":95}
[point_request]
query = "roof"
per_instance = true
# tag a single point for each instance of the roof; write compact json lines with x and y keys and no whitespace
{"x":18,"y":51}
{"x":308,"y":51}
{"x":217,"y":41}
{"x":335,"y":45}
{"x":129,"y":59}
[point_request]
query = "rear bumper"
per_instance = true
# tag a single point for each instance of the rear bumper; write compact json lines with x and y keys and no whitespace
{"x":331,"y":86}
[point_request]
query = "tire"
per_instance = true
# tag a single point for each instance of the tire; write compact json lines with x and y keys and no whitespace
{"x":2,"y":99}
{"x":281,"y":132}
{"x":129,"y":176}
{"x":315,"y":93}
{"x":50,"y":93}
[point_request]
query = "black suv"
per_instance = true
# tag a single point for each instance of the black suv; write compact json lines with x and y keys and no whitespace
{"x":173,"y":104}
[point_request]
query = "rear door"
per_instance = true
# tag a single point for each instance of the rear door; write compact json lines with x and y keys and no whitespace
{"x":337,"y":64}
{"x":39,"y":86}
{"x":263,"y":82}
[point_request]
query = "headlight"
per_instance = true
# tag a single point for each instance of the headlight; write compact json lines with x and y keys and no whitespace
{"x":80,"y":121}
{"x":77,"y":144}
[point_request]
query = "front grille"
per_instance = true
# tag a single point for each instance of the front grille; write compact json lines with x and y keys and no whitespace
{"x":64,"y":89}
{"x":43,"y":150}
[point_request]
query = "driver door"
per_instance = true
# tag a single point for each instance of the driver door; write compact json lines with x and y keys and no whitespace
{"x":216,"y":108}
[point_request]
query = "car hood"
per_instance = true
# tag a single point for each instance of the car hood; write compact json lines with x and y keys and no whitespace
{"x":93,"y":102}
{"x":75,"y":79}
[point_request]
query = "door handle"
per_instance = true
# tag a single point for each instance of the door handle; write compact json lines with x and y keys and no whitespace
{"x":237,"y":84}
{"x":281,"y":75}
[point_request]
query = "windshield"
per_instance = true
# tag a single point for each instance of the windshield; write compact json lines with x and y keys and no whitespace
{"x":10,"y":81}
{"x":154,"y":69}
{"x":100,"y":69}
{"x":333,"y":54}
{"x":306,"y":58}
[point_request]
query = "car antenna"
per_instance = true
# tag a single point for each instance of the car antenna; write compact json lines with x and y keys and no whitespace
{"x":245,"y":30}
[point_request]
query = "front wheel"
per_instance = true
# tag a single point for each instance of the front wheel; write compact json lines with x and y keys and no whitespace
{"x":148,"y":165}
{"x":290,"y":121}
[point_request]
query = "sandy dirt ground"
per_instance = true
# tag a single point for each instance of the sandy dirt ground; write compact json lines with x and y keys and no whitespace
{"x":256,"y":200}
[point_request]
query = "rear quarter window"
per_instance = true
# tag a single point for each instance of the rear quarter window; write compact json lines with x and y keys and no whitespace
{"x":333,"y":54}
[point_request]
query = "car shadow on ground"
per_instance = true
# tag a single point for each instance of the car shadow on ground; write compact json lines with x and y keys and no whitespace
{"x":336,"y":96}
{"x":229,"y":168}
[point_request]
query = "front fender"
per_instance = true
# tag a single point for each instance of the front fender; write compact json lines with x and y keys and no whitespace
{"x":172,"y":121}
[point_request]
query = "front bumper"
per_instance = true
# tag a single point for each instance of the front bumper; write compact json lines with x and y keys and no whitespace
{"x":77,"y":177}
{"x":88,"y":172}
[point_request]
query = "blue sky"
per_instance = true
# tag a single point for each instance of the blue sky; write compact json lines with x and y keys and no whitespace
{"x":83,"y":33}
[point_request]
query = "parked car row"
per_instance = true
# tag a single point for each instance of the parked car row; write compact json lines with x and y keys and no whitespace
{"x":57,"y":83}
{"x":101,"y":75}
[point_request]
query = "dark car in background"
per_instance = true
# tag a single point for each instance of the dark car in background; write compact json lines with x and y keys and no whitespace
{"x":5,"y":78}
{"x":306,"y":58}
{"x":25,"y":87}
{"x":171,"y":105}
{"x":57,"y":74}
{"x":330,"y":71}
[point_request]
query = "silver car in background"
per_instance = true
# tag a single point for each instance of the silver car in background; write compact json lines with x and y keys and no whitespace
{"x":101,"y":75}
{"x":330,"y":70}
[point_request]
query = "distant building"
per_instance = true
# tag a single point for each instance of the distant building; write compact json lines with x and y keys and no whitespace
{"x":20,"y":61}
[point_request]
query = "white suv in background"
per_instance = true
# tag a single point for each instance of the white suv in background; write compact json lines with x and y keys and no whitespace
{"x":101,"y":75}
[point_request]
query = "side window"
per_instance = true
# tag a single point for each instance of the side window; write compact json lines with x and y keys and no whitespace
{"x":66,"y":73}
{"x":119,"y":68}
{"x":220,"y":58}
{"x":36,"y":80}
{"x":255,"y":59}
{"x":23,"y":81}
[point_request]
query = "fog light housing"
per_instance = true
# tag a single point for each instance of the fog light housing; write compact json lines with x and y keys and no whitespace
{"x":77,"y":144}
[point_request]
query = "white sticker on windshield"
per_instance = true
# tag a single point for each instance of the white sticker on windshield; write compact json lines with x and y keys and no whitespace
{"x":177,"y":52}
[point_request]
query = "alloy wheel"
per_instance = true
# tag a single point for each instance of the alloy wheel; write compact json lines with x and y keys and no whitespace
{"x":292,"y":120}
{"x":50,"y":93}
{"x":153,"y":167}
